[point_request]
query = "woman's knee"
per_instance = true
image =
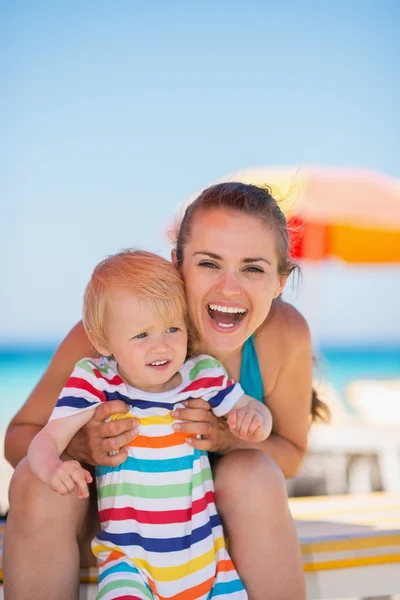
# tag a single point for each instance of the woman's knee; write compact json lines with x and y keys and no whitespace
{"x":34,"y":504}
{"x":248,"y":478}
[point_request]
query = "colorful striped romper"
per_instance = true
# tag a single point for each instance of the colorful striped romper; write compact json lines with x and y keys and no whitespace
{"x":161,"y":537}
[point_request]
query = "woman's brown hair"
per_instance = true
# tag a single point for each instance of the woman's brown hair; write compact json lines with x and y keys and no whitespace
{"x":254,"y":201}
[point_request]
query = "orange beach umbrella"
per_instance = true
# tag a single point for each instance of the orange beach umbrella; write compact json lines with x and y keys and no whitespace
{"x":350,"y":214}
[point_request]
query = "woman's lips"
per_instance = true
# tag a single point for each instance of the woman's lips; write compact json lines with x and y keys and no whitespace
{"x":226,"y":316}
{"x":225,"y":322}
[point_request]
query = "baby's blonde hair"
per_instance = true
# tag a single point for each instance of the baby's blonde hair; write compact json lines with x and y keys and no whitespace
{"x":148,"y":276}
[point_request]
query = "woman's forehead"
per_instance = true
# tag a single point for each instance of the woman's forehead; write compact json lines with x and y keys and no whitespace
{"x":231,"y":230}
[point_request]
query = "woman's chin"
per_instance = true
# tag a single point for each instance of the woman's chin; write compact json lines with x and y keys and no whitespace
{"x":223,"y":338}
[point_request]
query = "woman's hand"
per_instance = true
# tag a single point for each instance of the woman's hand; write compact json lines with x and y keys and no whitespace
{"x":92,"y":443}
{"x":198,"y":419}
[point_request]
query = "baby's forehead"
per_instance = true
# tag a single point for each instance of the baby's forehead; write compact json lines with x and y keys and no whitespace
{"x":127,"y":306}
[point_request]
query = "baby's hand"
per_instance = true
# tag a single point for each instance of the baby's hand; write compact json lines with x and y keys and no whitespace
{"x":247,"y":424}
{"x":68,"y":476}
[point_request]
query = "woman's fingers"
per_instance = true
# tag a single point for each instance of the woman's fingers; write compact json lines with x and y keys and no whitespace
{"x":106,"y":409}
{"x":117,"y":442}
{"x":114,"y":428}
{"x":194,"y":428}
{"x":108,"y":460}
{"x":197,"y":403}
{"x":193,"y":414}
{"x":86,"y":445}
{"x":202,"y":444}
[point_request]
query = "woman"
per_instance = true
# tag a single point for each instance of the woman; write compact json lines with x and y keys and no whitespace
{"x":233,"y":250}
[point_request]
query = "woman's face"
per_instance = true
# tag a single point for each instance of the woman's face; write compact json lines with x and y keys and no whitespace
{"x":230,"y":270}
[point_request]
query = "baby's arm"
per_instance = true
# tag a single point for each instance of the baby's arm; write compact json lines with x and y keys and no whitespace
{"x":250,"y":420}
{"x":45,"y":450}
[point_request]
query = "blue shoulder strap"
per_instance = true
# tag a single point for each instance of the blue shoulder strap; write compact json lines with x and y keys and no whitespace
{"x":250,"y":374}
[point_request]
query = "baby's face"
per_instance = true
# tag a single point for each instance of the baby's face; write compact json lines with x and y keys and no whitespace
{"x":149,"y":351}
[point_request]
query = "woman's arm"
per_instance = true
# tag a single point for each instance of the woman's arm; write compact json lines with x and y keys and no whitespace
{"x":37,"y":409}
{"x":285,"y":357}
{"x":289,"y":397}
{"x":92,"y":442}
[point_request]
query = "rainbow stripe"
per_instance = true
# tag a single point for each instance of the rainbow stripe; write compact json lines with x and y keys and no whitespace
{"x":161,"y":535}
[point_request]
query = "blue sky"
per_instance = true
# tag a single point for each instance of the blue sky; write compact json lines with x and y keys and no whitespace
{"x":112,"y":113}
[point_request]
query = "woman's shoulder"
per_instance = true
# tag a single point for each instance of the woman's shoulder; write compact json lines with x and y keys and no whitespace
{"x":77,"y":335}
{"x":285,"y":327}
{"x":74,"y":347}
{"x":282,"y":340}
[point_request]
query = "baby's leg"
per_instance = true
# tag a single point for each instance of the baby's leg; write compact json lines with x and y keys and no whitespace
{"x":120,"y":579}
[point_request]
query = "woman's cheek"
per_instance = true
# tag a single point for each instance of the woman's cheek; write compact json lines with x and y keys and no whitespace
{"x":193,"y":316}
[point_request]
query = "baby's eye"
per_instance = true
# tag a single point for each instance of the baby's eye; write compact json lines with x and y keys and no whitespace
{"x":140,"y":336}
{"x":172,"y":329}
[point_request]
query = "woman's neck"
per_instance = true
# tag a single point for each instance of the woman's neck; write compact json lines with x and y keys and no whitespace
{"x":231,"y":360}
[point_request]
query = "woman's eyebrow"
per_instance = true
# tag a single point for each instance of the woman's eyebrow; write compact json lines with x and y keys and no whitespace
{"x":210,"y":254}
{"x":245,"y":260}
{"x":260,"y":258}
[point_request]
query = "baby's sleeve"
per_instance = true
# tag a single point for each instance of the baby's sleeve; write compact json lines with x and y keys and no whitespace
{"x":81,"y":392}
{"x":224,"y":393}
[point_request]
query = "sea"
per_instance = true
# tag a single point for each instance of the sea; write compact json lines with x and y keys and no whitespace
{"x":21,"y":367}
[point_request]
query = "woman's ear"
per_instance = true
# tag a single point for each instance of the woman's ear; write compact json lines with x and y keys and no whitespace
{"x":100,"y":346}
{"x":174,"y":258}
{"x":282,"y":279}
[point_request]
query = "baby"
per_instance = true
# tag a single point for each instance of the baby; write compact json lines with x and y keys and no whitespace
{"x":161,"y":537}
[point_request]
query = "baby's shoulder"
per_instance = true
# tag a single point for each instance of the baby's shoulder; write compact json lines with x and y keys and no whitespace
{"x":202,"y":365}
{"x":103,"y":365}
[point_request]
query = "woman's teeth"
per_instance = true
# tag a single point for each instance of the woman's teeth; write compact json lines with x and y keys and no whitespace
{"x":226,"y":309}
{"x":226,"y":316}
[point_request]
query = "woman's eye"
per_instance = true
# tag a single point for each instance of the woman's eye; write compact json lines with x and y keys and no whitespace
{"x":172,"y":329}
{"x":254,"y":270}
{"x":140,"y":336}
{"x":208,"y":265}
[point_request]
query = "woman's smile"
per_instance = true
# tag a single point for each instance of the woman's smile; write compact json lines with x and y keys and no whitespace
{"x":226,"y":317}
{"x":231,"y":278}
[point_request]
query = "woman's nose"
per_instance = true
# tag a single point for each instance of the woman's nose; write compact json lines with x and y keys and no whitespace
{"x":229,"y":285}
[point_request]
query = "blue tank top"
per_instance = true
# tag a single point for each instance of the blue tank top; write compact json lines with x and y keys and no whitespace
{"x":250,"y":374}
